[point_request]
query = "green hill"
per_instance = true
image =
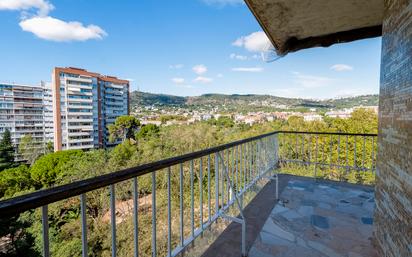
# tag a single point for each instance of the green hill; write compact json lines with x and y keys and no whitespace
{"x":248,"y":102}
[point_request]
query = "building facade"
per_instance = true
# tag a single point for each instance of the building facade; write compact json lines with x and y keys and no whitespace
{"x":84,"y":104}
{"x":23,"y":109}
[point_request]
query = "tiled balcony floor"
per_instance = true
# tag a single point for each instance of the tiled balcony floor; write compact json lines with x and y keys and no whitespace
{"x":318,"y":219}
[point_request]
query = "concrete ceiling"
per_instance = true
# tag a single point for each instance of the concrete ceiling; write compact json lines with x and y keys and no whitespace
{"x":292,"y":25}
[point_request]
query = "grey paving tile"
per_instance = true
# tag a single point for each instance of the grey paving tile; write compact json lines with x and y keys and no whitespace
{"x":274,"y":229}
{"x":319,"y":221}
{"x":367,"y":220}
{"x":291,"y":215}
{"x":315,"y":222}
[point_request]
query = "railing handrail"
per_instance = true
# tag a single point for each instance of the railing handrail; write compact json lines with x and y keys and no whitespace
{"x":43,"y":197}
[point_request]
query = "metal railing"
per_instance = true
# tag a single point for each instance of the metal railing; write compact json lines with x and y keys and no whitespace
{"x":188,"y":193}
{"x":184,"y":195}
{"x":337,"y":156}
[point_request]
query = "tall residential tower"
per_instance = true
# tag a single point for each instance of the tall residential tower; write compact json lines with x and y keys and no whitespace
{"x":26,"y":110}
{"x":84,"y":104}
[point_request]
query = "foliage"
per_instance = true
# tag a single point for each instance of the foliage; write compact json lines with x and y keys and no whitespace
{"x":6,"y":151}
{"x":122,"y":153}
{"x":49,"y":147}
{"x":138,"y":98}
{"x":123,"y":128}
{"x":15,"y":180}
{"x":29,"y":149}
{"x":148,"y":131}
{"x":49,"y":167}
{"x":222,"y":122}
{"x":165,"y":118}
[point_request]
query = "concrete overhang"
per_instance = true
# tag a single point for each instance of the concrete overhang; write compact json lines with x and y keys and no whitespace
{"x":292,"y":25}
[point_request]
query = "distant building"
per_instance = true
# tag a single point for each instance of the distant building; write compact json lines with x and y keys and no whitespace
{"x":206,"y":117}
{"x":373,"y":108}
{"x":84,"y":104}
{"x":26,"y":110}
{"x":343,"y":114}
{"x":311,"y":117}
{"x":154,"y":122}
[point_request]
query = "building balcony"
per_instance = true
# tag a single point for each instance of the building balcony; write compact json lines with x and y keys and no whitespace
{"x":78,"y":79}
{"x":277,"y":194}
{"x":79,"y":140}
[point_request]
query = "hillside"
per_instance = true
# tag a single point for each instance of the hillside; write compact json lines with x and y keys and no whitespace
{"x":138,"y":98}
{"x":250,"y":101}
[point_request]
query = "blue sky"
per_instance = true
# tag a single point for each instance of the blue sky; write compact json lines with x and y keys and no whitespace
{"x":182,"y":47}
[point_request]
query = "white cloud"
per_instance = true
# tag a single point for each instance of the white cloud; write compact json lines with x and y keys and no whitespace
{"x":178,"y":80}
{"x":223,"y":2}
{"x":248,"y":69}
{"x":199,"y":69}
{"x":341,"y":67}
{"x":176,"y":66}
{"x":43,"y":6}
{"x":204,"y":80}
{"x":53,"y":29}
{"x":311,"y":81}
{"x":255,"y":42}
{"x":238,"y":57}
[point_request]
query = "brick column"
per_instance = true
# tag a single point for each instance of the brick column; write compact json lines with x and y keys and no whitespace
{"x":393,"y":216}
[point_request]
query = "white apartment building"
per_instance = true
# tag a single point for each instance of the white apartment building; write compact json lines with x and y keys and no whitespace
{"x":84,"y":104}
{"x":23,"y":109}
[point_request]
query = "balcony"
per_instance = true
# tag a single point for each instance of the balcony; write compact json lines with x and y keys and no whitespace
{"x":277,"y":194}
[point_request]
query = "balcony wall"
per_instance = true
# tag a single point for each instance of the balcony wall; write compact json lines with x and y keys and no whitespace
{"x":393,"y":216}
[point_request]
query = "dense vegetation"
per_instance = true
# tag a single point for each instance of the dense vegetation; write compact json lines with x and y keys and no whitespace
{"x":6,"y":151}
{"x":138,"y":98}
{"x":248,"y":102}
{"x":139,"y":146}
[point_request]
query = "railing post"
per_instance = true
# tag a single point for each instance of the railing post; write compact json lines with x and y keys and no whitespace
{"x":84,"y":224}
{"x":113,"y":218}
{"x":373,"y":156}
{"x":45,"y":230}
{"x":181,"y":204}
{"x":169,"y":216}
{"x":216,"y":183}
{"x":154,"y":214}
{"x":363,"y":153}
{"x":354,"y":155}
{"x":316,"y":155}
{"x":136,"y":216}
{"x":192,"y":201}
{"x":208,"y":189}
{"x":201,"y":192}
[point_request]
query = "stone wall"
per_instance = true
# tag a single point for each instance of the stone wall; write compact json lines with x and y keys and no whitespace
{"x":393,"y":216}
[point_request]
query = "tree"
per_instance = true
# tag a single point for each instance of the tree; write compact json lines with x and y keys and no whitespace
{"x":222,"y":122}
{"x":6,"y":151}
{"x":30,"y":150}
{"x":49,"y":147}
{"x":122,"y":153}
{"x":148,"y":131}
{"x":124,"y":127}
{"x":48,"y":168}
{"x":15,"y":181}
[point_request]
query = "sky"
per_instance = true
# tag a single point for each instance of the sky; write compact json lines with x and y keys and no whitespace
{"x":181,"y":47}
